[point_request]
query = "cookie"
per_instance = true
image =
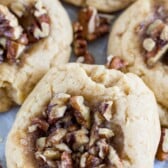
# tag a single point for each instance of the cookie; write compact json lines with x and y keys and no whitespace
{"x":142,"y":44}
{"x":103,"y":5}
{"x":85,"y":116}
{"x":32,"y":39}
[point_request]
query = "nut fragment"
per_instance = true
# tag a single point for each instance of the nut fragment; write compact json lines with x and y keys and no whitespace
{"x":93,"y":161}
{"x":52,"y":154}
{"x":66,"y":160}
{"x":103,"y":148}
{"x":164,"y":34}
{"x":78,"y":138}
{"x":41,"y":124}
{"x":41,"y":142}
{"x":105,"y":132}
{"x":43,"y":32}
{"x":83,"y":160}
{"x":162,"y":153}
{"x":57,"y":107}
{"x":62,"y":147}
{"x":80,"y":44}
{"x":106,"y":109}
{"x":82,"y":113}
{"x":154,"y":27}
{"x":115,"y":62}
{"x":10,"y":27}
{"x":60,"y":99}
{"x":40,"y":10}
{"x":94,"y":26}
{"x":149,"y":44}
{"x":57,"y":135}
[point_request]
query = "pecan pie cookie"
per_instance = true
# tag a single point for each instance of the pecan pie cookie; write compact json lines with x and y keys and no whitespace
{"x":32,"y":39}
{"x":141,"y":44}
{"x":103,"y":5}
{"x":85,"y":116}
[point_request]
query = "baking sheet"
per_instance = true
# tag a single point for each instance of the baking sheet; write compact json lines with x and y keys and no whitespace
{"x":98,"y":49}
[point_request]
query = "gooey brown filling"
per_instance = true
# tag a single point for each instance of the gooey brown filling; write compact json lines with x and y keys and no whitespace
{"x":70,"y":134}
{"x":154,"y":36}
{"x":21,"y":27}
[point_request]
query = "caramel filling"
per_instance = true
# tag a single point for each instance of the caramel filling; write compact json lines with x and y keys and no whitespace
{"x":21,"y":27}
{"x":75,"y":135}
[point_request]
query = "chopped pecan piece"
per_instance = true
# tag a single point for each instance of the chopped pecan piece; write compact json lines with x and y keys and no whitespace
{"x":66,"y":160}
{"x":105,"y":133}
{"x":162,"y":153}
{"x":60,"y":99}
{"x":79,"y":44}
{"x":103,"y":148}
{"x":94,"y":26}
{"x":93,"y":161}
{"x":13,"y":50}
{"x":106,"y":109}
{"x":82,"y":112}
{"x":41,"y":143}
{"x":78,"y":138}
{"x":52,"y":154}
{"x":99,"y":119}
{"x":57,"y":108}
{"x":40,"y":10}
{"x":57,"y":135}
{"x":41,"y":124}
{"x":83,"y":160}
{"x":62,"y":147}
{"x":117,"y":63}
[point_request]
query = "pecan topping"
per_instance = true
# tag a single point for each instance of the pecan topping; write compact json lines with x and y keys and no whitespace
{"x":40,"y":123}
{"x":36,"y":23}
{"x":82,"y":137}
{"x":80,"y":44}
{"x":29,"y":24}
{"x":162,"y":153}
{"x":94,"y":25}
{"x":155,"y":38}
{"x":89,"y":27}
